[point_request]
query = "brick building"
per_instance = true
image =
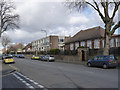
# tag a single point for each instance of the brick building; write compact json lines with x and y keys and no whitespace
{"x":92,"y":38}
{"x":50,"y":42}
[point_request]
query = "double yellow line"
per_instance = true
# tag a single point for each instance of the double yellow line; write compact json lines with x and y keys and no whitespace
{"x":14,"y":70}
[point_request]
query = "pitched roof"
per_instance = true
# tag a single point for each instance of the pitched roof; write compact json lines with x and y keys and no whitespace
{"x":92,"y":33}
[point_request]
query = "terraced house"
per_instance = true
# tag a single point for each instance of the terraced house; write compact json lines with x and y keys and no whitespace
{"x":50,"y":42}
{"x":92,"y":38}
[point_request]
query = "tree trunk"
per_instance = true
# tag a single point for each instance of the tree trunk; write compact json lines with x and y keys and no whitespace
{"x":107,"y":41}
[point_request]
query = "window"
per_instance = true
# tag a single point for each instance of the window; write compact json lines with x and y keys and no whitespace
{"x":61,"y":40}
{"x":71,"y":46}
{"x":117,"y":42}
{"x":105,"y":57}
{"x":97,"y":43}
{"x":95,"y":58}
{"x":100,"y":58}
{"x":89,"y":44}
{"x":76,"y":45}
{"x":112,"y":44}
{"x":82,"y":43}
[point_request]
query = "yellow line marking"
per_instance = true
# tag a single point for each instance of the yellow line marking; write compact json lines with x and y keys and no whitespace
{"x":8,"y":74}
{"x":14,"y":68}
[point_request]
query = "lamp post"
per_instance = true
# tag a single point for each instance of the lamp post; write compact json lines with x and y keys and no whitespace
{"x":46,"y":35}
{"x":45,"y":32}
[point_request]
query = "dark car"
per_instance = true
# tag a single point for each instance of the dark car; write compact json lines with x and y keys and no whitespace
{"x":104,"y":61}
{"x":14,"y":55}
{"x":41,"y":58}
{"x":20,"y":56}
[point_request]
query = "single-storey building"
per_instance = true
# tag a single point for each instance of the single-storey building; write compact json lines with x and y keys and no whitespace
{"x":92,"y":38}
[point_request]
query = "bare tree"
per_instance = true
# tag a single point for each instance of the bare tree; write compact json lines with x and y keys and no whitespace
{"x":5,"y":41}
{"x":16,"y":47}
{"x":8,"y":18}
{"x":108,"y":20}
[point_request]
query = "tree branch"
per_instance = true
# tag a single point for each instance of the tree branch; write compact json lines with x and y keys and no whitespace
{"x":115,"y":27}
{"x":99,"y":12}
{"x":115,"y":9}
{"x":91,"y":5}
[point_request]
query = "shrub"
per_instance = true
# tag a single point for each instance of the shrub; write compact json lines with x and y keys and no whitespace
{"x":54,"y":51}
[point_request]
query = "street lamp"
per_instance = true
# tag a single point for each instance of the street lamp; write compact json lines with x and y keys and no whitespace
{"x":45,"y":32}
{"x":46,"y":36}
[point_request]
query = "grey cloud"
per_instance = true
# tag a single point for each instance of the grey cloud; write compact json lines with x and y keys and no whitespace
{"x":53,"y":17}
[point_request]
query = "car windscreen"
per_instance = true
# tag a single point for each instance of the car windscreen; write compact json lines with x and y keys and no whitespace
{"x":113,"y":58}
{"x":8,"y":57}
{"x":51,"y":56}
{"x":36,"y":56}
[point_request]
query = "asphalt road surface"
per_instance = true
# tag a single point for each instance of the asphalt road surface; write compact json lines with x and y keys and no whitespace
{"x":39,"y":74}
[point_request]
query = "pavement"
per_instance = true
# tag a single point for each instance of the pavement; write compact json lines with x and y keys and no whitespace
{"x":40,"y":74}
{"x":8,"y":80}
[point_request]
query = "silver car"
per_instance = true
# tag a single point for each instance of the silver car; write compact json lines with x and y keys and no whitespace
{"x":49,"y":58}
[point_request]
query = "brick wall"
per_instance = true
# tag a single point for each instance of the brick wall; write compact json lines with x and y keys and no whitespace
{"x":53,"y":42}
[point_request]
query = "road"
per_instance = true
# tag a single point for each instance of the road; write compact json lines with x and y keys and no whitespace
{"x":40,"y":74}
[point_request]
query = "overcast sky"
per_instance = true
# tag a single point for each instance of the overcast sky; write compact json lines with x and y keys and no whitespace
{"x":54,"y":17}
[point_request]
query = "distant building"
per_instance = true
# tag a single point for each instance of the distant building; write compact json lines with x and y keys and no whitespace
{"x":92,"y":38}
{"x":50,"y":42}
{"x":28,"y":48}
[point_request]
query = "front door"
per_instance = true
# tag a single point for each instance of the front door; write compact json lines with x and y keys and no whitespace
{"x":83,"y":55}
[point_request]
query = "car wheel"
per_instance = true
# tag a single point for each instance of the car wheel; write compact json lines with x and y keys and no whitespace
{"x":105,"y":66}
{"x":89,"y":64}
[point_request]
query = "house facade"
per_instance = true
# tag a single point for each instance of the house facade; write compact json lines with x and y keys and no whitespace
{"x":28,"y":48}
{"x":92,"y":38}
{"x":50,"y":42}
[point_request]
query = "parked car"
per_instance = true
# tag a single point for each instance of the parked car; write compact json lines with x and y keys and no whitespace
{"x":1,"y":57}
{"x":104,"y":61}
{"x":20,"y":56}
{"x":14,"y":55}
{"x":41,"y":58}
{"x":8,"y":59}
{"x":49,"y":58}
{"x":35,"y":57}
{"x":10,"y":55}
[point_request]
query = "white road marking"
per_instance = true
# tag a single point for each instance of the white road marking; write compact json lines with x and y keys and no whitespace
{"x":24,"y":81}
{"x":35,"y":83}
{"x":30,"y":86}
{"x":40,"y":86}
{"x":27,"y":84}
{"x":25,"y":76}
{"x":21,"y":79}
{"x":28,"y":78}
{"x":31,"y":81}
